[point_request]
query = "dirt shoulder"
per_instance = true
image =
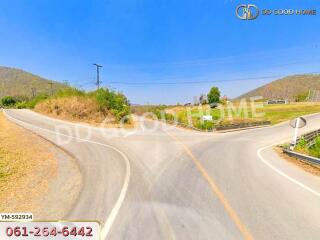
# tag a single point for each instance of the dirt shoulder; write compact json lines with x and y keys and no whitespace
{"x":308,"y":167}
{"x":35,"y":175}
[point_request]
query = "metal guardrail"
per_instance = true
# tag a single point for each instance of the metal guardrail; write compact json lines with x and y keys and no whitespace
{"x":242,"y":125}
{"x":310,"y":137}
{"x":303,"y":157}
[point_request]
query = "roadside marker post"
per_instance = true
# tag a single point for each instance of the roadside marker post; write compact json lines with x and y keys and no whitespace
{"x":296,"y":123}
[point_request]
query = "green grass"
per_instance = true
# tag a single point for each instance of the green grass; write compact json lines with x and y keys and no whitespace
{"x":273,"y":113}
{"x":313,"y":150}
{"x":280,"y":113}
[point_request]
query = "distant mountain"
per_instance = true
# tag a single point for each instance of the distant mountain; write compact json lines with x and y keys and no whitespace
{"x":287,"y":88}
{"x":16,"y":82}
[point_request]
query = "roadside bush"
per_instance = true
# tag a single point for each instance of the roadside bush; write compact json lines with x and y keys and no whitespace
{"x":162,"y":114}
{"x":8,"y":101}
{"x":315,"y":149}
{"x":21,"y":105}
{"x":302,"y":143}
{"x":72,"y":103}
{"x":34,"y":101}
{"x":302,"y":146}
{"x":207,"y":125}
{"x":112,"y":101}
{"x":158,"y":113}
{"x":169,"y":117}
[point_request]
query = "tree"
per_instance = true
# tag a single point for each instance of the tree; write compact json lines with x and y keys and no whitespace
{"x":214,"y":95}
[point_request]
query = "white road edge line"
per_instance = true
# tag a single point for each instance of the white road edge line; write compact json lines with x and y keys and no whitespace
{"x":114,"y":212}
{"x":283,"y":174}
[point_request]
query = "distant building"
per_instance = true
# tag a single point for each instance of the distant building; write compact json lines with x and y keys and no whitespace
{"x":203,"y":99}
{"x":277,"y":101}
{"x":224,"y":98}
{"x":214,"y":105}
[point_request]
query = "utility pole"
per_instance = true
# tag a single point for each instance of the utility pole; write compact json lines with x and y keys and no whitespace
{"x":66,"y":82}
{"x":98,"y":77}
{"x":33,"y":92}
{"x":51,"y":88}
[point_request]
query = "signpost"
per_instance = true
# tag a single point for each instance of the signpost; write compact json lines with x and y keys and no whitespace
{"x":207,"y":118}
{"x":297,"y":123}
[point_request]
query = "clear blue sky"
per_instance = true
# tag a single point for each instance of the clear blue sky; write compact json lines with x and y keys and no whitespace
{"x":158,"y":41}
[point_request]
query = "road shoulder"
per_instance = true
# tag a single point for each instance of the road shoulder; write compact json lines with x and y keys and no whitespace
{"x":36,"y":176}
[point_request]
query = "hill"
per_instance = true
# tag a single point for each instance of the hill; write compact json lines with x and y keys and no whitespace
{"x":16,"y":82}
{"x":289,"y":87}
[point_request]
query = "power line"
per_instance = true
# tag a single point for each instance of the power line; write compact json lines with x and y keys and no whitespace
{"x":66,"y":82}
{"x":201,"y":81}
{"x":98,"y":82}
{"x":51,"y":88}
{"x":206,"y":61}
{"x":98,"y":77}
{"x":204,"y":81}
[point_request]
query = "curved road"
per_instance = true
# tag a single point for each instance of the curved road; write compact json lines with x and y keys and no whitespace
{"x":163,"y":182}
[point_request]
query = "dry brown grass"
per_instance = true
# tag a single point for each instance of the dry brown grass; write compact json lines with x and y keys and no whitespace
{"x":78,"y":109}
{"x":26,"y":167}
{"x":72,"y":108}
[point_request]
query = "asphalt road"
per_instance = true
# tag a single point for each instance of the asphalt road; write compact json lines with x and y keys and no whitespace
{"x":163,"y":182}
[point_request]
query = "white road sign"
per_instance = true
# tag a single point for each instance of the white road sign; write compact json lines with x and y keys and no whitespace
{"x":207,"y":118}
{"x":296,"y":123}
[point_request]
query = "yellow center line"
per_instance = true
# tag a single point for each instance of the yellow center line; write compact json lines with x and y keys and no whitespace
{"x":215,"y":189}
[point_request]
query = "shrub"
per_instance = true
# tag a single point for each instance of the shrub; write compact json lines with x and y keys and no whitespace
{"x":33,"y":102}
{"x":21,"y":105}
{"x":8,"y":101}
{"x":112,"y":101}
{"x":315,"y":149}
{"x":302,"y":143}
{"x":206,"y":125}
{"x":76,"y":103}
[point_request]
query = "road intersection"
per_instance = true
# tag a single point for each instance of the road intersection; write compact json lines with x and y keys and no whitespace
{"x":164,"y":182}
